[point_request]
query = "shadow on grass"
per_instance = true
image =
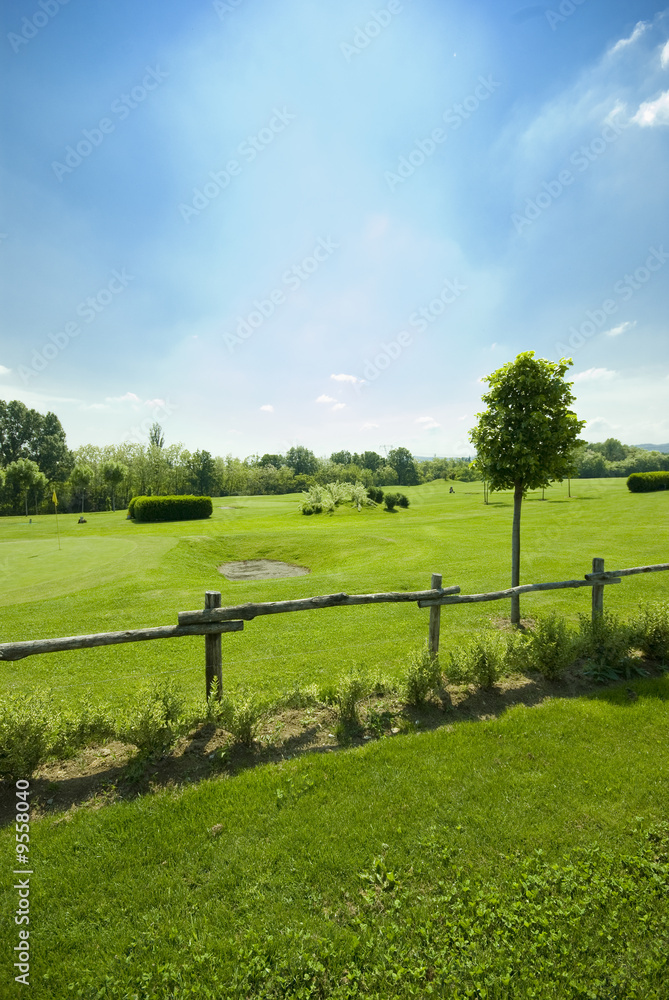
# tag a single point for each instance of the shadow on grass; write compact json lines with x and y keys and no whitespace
{"x":104,"y":775}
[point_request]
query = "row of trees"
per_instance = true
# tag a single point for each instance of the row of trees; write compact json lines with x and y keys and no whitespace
{"x":35,"y":460}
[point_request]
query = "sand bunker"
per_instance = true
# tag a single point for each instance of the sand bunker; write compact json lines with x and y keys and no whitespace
{"x":260,"y":569}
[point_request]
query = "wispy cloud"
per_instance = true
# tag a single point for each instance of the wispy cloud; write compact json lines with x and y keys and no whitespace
{"x":326,"y":399}
{"x":664,"y":56}
{"x":4,"y":371}
{"x":615,"y":331}
{"x":338,"y":406}
{"x":427,"y":423}
{"x":129,"y":397}
{"x":595,"y":375}
{"x":348,"y":378}
{"x":653,"y":112}
{"x":370,"y":427}
{"x":624,"y":42}
{"x":267,"y":408}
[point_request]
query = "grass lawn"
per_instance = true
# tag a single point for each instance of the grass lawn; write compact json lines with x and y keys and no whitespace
{"x":112,"y":574}
{"x":522,"y":857}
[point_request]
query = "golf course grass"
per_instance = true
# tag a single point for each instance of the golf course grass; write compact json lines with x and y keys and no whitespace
{"x":522,"y":857}
{"x":111,"y":573}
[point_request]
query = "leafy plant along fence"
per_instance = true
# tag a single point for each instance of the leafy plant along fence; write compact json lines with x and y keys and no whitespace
{"x":212,"y":621}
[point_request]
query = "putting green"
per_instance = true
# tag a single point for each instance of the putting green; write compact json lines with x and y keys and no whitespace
{"x":38,"y":570}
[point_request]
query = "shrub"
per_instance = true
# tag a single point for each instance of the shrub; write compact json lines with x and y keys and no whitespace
{"x":391,"y":500}
{"x":482,"y":662}
{"x":25,"y":732}
{"x":157,"y":721}
{"x":240,"y":716}
{"x":350,"y":691}
{"x":648,"y":482}
{"x":172,"y":508}
{"x":651,"y":632}
{"x":375,"y":493}
{"x":423,"y":676}
{"x":548,"y":647}
{"x":402,"y":500}
{"x":71,"y":732}
{"x":605,"y":644}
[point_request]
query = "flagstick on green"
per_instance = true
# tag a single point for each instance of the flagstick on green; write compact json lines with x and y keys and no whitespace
{"x":55,"y":503}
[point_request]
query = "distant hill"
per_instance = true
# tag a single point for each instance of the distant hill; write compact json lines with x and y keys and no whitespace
{"x":654,"y":447}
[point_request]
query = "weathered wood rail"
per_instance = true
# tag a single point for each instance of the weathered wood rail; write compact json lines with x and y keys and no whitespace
{"x":213,"y":620}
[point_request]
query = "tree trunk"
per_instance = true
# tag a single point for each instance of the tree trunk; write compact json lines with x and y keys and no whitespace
{"x":26,"y":503}
{"x":515,"y":553}
{"x":113,"y":501}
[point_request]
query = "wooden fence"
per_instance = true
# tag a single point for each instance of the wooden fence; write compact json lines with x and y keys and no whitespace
{"x":213,"y":620}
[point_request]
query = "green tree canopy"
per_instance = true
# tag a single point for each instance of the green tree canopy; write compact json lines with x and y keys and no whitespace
{"x":24,"y":475}
{"x":301,"y":460}
{"x":114,"y":473}
{"x":402,"y":461}
{"x":526,"y":436}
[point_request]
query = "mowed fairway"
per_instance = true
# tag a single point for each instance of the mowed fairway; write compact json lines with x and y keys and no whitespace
{"x":111,"y":574}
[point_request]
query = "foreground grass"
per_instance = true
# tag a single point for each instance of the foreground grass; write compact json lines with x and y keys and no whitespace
{"x":112,"y":573}
{"x":515,"y":858}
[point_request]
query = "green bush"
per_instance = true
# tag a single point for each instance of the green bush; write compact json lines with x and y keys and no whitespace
{"x":481,"y":662}
{"x":651,"y":632}
{"x":172,"y":508}
{"x":375,"y":493}
{"x":402,"y":500}
{"x":131,"y":505}
{"x":25,"y":734}
{"x":391,"y":500}
{"x":423,"y":676}
{"x":157,"y":721}
{"x":548,"y":647}
{"x":648,"y":482}
{"x":605,"y":644}
{"x":350,"y":691}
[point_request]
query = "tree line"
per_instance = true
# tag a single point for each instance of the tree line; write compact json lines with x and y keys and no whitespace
{"x":35,"y":461}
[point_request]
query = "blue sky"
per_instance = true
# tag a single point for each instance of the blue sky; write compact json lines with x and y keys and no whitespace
{"x":320,"y":223}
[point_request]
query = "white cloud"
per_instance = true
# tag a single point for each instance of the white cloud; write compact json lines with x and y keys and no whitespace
{"x":653,"y":112}
{"x":615,"y":331}
{"x":4,"y":371}
{"x":595,"y":375}
{"x":129,"y":397}
{"x":94,"y":406}
{"x":153,"y":403}
{"x":624,"y":42}
{"x":348,"y":378}
{"x":664,"y":57}
{"x":326,"y":399}
{"x":370,"y":427}
{"x":427,"y":422}
{"x":267,"y":408}
{"x":338,"y":406}
{"x":463,"y":417}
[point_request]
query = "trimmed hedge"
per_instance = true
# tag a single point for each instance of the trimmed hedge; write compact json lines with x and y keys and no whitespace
{"x":131,"y":506}
{"x":183,"y":508}
{"x":648,"y":482}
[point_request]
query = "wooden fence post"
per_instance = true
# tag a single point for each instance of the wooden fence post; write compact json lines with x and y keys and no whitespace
{"x":213,"y":662}
{"x":435,"y":619}
{"x":597,"y":591}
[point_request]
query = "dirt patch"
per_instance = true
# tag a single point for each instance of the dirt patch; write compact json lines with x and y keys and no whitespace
{"x":260,"y":569}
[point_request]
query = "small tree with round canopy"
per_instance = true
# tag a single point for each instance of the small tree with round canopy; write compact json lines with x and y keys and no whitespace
{"x":526,"y":436}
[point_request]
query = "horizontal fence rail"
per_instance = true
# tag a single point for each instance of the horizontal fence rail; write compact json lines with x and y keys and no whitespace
{"x":212,"y":621}
{"x":19,"y":650}
{"x":248,"y":611}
